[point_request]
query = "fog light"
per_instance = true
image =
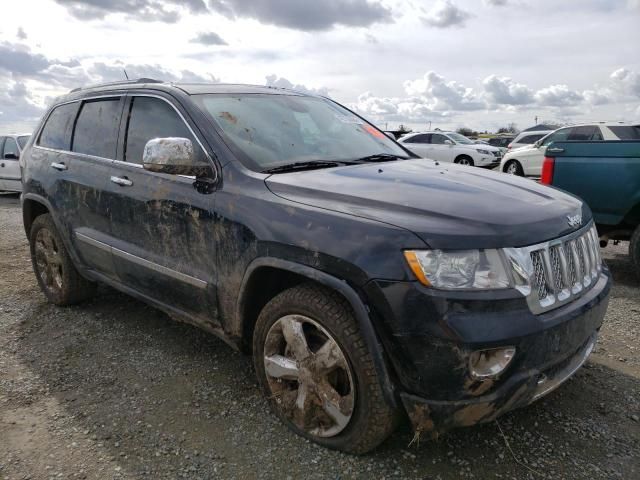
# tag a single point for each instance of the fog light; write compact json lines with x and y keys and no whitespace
{"x":491,"y":362}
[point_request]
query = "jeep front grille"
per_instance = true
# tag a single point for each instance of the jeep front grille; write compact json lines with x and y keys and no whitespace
{"x":560,"y":270}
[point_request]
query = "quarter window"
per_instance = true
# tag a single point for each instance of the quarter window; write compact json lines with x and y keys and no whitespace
{"x":151,"y":118}
{"x":56,"y":132}
{"x":10,"y":148}
{"x":22,"y":141}
{"x":96,"y":131}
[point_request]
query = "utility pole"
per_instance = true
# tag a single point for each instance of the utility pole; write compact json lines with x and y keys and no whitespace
{"x":536,"y":119}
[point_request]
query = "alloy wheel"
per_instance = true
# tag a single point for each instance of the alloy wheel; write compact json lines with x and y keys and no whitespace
{"x":48,"y":260}
{"x":309,"y":376}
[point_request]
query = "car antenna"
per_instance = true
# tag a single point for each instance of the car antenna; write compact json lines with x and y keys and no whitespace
{"x":125,"y":74}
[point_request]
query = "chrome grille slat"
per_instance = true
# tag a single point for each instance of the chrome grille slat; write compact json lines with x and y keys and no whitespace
{"x":560,"y":270}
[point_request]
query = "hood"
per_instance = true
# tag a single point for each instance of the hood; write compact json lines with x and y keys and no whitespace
{"x":448,"y":206}
{"x":482,"y":146}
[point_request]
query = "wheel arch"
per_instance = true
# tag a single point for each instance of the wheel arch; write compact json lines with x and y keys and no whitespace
{"x":461,"y":155}
{"x":278,"y":275}
{"x":32,"y":207}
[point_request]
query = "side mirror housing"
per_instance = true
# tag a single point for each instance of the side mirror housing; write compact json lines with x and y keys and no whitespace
{"x":448,"y":142}
{"x":537,"y":144}
{"x":172,"y":155}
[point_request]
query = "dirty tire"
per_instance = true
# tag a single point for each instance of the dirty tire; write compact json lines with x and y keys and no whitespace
{"x":66,"y":286}
{"x":634,"y":249}
{"x":513,"y":167}
{"x":464,"y":160}
{"x":372,"y":420}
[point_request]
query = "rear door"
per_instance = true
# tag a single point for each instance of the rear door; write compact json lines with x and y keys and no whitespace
{"x":93,"y":147}
{"x":163,"y":228}
{"x":419,"y":144}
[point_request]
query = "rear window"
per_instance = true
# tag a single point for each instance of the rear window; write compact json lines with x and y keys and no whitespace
{"x":96,"y":131}
{"x":56,"y":133}
{"x":625,"y":132}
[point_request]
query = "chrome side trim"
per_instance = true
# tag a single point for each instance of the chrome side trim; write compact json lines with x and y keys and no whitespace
{"x":93,"y":242}
{"x":183,"y":277}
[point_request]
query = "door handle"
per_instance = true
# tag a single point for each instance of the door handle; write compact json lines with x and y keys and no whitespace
{"x":59,"y":166}
{"x":555,"y":150}
{"x":122,"y":181}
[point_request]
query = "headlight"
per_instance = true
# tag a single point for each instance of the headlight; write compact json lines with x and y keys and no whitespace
{"x":484,"y":152}
{"x":459,"y":270}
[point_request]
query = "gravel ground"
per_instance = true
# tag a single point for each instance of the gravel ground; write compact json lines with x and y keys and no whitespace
{"x":115,"y":389}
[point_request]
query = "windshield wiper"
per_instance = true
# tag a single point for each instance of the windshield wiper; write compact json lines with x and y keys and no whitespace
{"x":381,"y":157}
{"x":310,"y":165}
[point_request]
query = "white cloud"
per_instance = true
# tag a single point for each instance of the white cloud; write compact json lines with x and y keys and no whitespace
{"x":280,"y":82}
{"x":442,"y":95}
{"x":496,"y":3}
{"x":504,"y":91}
{"x":626,"y":82}
{"x":445,"y":14}
{"x":558,"y":96}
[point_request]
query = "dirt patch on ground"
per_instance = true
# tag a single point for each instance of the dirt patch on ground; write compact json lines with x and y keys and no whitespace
{"x":115,"y":389}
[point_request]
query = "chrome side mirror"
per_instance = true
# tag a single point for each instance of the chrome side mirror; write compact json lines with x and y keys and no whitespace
{"x":172,"y":155}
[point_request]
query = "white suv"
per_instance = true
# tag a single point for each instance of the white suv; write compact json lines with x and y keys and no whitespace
{"x":451,"y":147}
{"x":527,"y":161}
{"x":11,"y":147}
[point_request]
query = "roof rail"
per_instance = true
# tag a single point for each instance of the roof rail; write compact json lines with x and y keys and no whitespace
{"x":120,"y":82}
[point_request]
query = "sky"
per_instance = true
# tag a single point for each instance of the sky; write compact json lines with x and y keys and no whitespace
{"x":481,"y":64}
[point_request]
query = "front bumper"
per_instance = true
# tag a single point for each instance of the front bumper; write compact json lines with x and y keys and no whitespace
{"x":522,"y":389}
{"x":429,"y":335}
{"x":489,"y":161}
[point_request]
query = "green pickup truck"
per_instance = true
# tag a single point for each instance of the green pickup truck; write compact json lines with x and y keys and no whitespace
{"x":606,"y":175}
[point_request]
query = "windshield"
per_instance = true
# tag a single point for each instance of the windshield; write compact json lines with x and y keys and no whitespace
{"x":275,"y":130}
{"x":22,"y":141}
{"x":460,"y":138}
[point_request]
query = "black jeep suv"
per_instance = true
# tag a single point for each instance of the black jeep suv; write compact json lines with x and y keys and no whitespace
{"x":364,"y":281}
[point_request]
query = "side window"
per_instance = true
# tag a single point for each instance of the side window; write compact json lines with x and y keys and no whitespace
{"x":583,"y":134}
{"x":438,"y":139}
{"x":10,"y":150}
{"x":56,"y":133}
{"x":96,"y":131}
{"x":22,"y":140}
{"x":557,"y":136}
{"x":151,"y":118}
{"x":422,"y":138}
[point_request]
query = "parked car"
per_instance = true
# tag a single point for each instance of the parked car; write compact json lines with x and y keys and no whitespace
{"x":606,"y":175}
{"x":451,"y":147}
{"x":11,"y":147}
{"x":362,"y":280}
{"x":526,"y":139}
{"x":501,"y":141}
{"x":527,"y":161}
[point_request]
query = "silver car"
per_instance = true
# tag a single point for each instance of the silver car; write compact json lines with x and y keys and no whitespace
{"x":11,"y":147}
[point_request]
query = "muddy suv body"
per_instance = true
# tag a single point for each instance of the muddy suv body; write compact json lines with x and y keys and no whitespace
{"x":364,"y":286}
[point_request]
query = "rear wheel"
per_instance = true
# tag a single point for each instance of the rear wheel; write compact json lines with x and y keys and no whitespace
{"x":634,"y":249}
{"x":464,"y":160}
{"x":513,"y":167}
{"x":317,"y":373}
{"x":57,"y":276}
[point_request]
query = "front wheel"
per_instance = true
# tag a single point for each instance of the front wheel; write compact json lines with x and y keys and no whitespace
{"x":317,"y":372}
{"x":464,"y":160}
{"x":513,"y":167}
{"x":634,"y":249}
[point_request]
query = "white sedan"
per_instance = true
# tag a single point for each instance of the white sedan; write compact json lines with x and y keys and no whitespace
{"x":451,"y":147}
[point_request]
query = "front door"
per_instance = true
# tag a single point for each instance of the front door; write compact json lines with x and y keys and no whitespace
{"x":441,"y":151}
{"x":163,"y":228}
